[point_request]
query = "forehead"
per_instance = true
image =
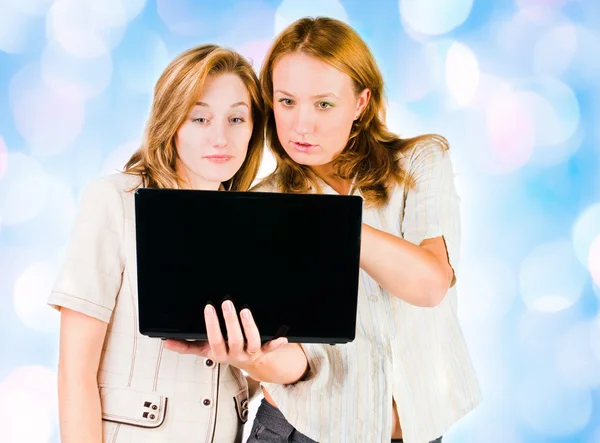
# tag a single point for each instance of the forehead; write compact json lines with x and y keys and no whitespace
{"x":302,"y":74}
{"x":224,"y":89}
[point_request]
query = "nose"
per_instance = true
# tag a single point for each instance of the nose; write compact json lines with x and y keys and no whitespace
{"x":305,"y":120}
{"x":218,"y":135}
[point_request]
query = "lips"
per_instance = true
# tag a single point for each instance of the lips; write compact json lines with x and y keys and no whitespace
{"x":303,"y":147}
{"x":218,"y":158}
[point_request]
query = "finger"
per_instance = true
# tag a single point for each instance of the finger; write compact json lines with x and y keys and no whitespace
{"x":235,"y":339}
{"x":253,"y":344}
{"x":213,"y":331}
{"x":181,"y":347}
{"x":185,"y":347}
{"x":273,"y":345}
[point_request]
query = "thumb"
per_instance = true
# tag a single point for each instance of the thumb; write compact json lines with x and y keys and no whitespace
{"x":273,"y":345}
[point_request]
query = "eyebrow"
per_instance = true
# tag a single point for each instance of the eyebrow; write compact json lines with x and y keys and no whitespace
{"x":235,"y":105}
{"x":327,"y":94}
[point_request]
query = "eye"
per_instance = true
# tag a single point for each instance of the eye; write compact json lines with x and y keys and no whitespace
{"x":286,"y":101}
{"x":237,"y":120}
{"x":324,"y":105}
{"x":200,"y":120}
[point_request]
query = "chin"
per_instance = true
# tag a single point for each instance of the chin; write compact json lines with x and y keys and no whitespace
{"x":308,"y":159}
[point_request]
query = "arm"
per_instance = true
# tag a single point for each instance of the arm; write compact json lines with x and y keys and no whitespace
{"x":275,"y":362}
{"x":81,"y":340}
{"x":85,"y":293}
{"x":419,"y":275}
{"x":419,"y":268}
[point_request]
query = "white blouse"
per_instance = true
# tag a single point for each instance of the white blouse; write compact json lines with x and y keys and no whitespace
{"x":416,"y":355}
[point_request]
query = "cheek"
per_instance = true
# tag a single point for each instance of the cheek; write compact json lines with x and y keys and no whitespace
{"x":337,"y":130}
{"x":283,"y":120}
{"x":241,"y":137}
{"x":187,"y":138}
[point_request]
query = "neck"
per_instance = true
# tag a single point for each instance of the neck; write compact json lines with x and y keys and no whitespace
{"x":327,"y":174}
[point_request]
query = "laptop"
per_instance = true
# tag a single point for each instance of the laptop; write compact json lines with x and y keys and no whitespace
{"x":292,"y":259}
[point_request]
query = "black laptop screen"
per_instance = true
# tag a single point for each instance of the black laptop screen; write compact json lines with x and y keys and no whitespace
{"x":292,"y":259}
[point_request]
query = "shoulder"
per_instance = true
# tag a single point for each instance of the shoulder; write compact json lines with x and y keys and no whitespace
{"x":120,"y":182}
{"x":424,"y":149}
{"x":110,"y":194}
{"x":268,"y":184}
{"x":113,"y":186}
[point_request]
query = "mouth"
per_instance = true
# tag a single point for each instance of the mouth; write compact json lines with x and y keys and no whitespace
{"x":303,"y":147}
{"x":218,"y":158}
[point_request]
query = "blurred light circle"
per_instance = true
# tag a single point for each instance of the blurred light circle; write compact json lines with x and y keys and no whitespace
{"x":48,"y":119}
{"x":37,"y":381}
{"x":555,"y":110}
{"x":255,"y":52}
{"x":32,"y":7}
{"x":31,"y":291}
{"x":594,"y":338}
{"x":511,"y":131}
{"x":537,"y":332}
{"x":51,"y":228}
{"x":585,"y":230}
{"x":140,"y":67}
{"x":594,"y":260}
{"x":291,"y":10}
{"x":402,"y":121}
{"x":3,"y":157}
{"x":434,"y":17}
{"x":16,"y":27}
{"x":550,"y":407}
{"x":184,"y":17}
{"x":462,"y":73}
{"x":575,"y":359}
{"x":423,"y":74}
{"x":488,"y":287}
{"x":551,"y":278}
{"x":582,"y":67}
{"x":242,"y":18}
{"x":24,"y":181}
{"x":28,"y":410}
{"x":555,"y":50}
{"x":489,"y":88}
{"x":546,"y":4}
{"x":116,"y":159}
{"x":117,"y":12}
{"x":85,"y":29}
{"x":78,"y":77}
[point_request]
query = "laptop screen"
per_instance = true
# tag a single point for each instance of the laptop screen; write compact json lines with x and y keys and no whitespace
{"x":293,"y":259}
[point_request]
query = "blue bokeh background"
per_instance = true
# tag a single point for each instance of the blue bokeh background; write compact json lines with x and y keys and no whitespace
{"x":513,"y":85}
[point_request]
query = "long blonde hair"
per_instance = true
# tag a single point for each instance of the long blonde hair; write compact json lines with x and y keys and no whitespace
{"x":175,"y":94}
{"x":370,"y":157}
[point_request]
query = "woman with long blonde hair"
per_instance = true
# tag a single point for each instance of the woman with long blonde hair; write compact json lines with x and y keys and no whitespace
{"x":205,"y":131}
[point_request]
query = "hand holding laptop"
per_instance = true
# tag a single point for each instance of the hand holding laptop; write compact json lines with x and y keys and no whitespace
{"x":244,"y":353}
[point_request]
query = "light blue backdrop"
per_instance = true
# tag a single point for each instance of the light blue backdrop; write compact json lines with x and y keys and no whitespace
{"x":513,"y":85}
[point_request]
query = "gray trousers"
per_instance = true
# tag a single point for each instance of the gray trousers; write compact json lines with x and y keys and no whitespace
{"x":270,"y":426}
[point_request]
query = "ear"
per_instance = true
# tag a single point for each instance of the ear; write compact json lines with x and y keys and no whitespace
{"x":361,"y":102}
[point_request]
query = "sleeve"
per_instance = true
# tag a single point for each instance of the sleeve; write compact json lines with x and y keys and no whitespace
{"x":91,"y":274}
{"x":432,"y":206}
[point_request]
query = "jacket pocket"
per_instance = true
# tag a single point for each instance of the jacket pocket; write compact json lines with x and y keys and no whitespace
{"x":241,"y":404}
{"x":132,"y":407}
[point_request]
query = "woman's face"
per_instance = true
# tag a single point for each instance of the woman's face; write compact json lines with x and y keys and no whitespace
{"x":213,"y":141}
{"x":314,"y":106}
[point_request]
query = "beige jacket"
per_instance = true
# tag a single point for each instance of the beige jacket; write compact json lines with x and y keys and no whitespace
{"x":149,"y":394}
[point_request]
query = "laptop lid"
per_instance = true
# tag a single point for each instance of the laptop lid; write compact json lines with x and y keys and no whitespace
{"x":293,"y":259}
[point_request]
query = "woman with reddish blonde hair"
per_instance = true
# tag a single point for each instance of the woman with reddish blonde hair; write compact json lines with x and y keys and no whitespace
{"x":408,"y":374}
